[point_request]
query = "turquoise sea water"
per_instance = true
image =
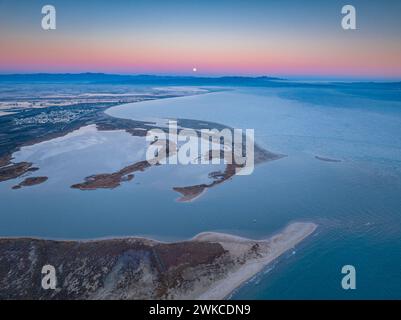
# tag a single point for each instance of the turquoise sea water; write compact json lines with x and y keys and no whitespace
{"x":355,"y":202}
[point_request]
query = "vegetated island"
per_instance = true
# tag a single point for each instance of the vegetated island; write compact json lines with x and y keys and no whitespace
{"x":31,"y":181}
{"x":209,"y":266}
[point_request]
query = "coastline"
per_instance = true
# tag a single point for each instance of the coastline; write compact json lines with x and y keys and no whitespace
{"x":209,"y":266}
{"x":280,"y":243}
{"x":96,"y":114}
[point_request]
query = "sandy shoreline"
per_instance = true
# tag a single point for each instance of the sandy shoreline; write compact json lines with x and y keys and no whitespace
{"x":274,"y":246}
{"x":209,"y":266}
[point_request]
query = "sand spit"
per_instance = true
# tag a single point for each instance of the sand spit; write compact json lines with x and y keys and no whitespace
{"x":268,"y":250}
{"x":209,"y":266}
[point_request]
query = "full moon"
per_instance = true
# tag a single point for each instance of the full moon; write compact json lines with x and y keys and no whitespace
{"x":194,"y":69}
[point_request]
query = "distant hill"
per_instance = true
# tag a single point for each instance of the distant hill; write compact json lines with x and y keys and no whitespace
{"x":134,"y":79}
{"x":154,"y":80}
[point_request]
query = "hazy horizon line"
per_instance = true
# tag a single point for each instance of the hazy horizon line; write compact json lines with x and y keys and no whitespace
{"x":283,"y":77}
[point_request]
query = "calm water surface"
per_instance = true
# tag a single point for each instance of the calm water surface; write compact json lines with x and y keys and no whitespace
{"x":356,"y":202}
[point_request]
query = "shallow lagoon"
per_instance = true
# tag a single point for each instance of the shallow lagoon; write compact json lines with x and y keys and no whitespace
{"x":356,"y":201}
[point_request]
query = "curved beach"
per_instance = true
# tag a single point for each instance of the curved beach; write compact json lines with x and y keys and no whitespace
{"x":271,"y":249}
{"x":209,"y":266}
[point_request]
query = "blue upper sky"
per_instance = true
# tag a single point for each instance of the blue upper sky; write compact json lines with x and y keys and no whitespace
{"x":282,"y":38}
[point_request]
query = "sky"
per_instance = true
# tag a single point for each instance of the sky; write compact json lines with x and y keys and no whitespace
{"x":287,"y":38}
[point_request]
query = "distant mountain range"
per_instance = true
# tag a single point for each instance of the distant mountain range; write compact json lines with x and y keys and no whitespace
{"x":133,"y":79}
{"x":154,"y":80}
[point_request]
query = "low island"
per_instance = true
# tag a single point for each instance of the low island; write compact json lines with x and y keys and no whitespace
{"x":31,"y":181}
